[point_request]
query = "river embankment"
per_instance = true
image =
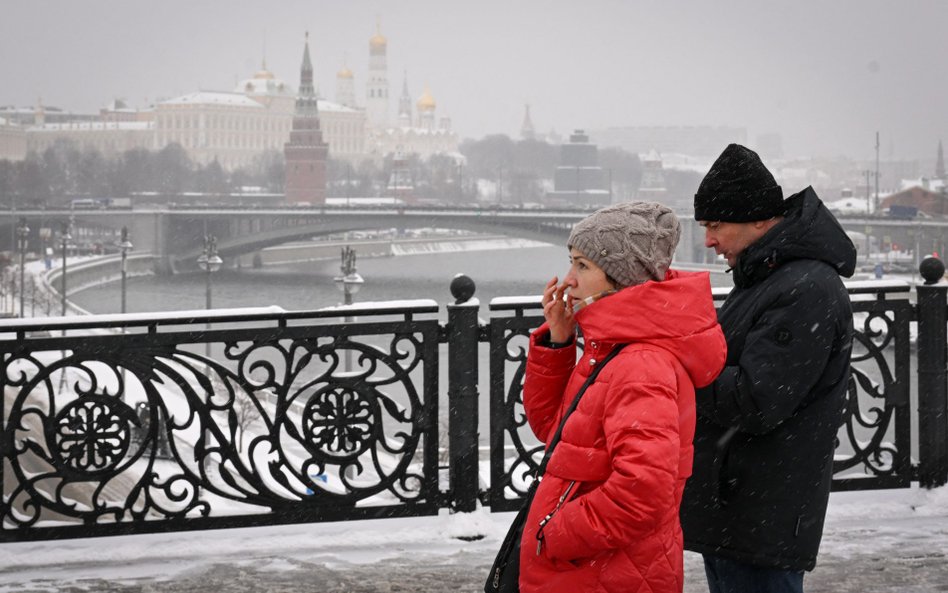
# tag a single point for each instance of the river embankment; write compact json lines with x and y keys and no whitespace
{"x":83,"y":273}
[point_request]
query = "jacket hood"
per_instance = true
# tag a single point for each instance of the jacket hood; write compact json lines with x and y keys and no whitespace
{"x":676,"y":315}
{"x":808,"y":231}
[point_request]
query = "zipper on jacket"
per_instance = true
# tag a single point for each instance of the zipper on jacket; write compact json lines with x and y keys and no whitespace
{"x":549,"y":516}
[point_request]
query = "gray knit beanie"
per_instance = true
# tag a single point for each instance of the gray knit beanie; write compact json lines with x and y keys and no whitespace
{"x":632,"y":242}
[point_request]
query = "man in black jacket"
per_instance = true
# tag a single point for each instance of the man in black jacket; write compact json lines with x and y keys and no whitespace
{"x":766,"y":428}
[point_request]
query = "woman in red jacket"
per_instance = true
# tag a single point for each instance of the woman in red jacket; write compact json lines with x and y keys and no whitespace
{"x":605,"y":515}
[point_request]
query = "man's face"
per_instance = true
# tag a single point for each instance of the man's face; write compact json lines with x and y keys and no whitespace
{"x":730,"y":239}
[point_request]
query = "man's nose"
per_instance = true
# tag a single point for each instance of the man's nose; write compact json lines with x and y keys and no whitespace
{"x":709,"y":241}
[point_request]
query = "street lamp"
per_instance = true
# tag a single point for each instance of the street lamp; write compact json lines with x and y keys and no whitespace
{"x":65,"y":238}
{"x":210,"y":262}
{"x":349,"y":283}
{"x":22,"y":235}
{"x":125,"y":246}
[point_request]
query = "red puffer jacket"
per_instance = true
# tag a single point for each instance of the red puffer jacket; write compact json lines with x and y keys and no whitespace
{"x":626,"y":451}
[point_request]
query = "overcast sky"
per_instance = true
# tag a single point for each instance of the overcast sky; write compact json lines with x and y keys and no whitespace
{"x":824,"y":74}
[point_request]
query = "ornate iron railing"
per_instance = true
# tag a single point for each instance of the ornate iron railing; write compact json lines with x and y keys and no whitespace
{"x":197,"y":420}
{"x":214,"y":420}
{"x":874,"y":440}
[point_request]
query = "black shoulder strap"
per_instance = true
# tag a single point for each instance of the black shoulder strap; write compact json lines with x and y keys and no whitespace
{"x":559,"y":430}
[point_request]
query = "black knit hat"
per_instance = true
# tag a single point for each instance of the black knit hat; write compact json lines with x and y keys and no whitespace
{"x":738,"y":188}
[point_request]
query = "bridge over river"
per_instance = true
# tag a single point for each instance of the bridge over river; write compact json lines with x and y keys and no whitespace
{"x":174,"y":234}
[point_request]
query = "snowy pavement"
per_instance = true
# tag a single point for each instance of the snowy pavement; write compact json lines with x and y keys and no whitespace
{"x":890,"y":542}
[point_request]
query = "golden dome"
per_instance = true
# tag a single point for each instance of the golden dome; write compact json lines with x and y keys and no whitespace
{"x":426,"y":102}
{"x":263,"y":73}
{"x":378,"y":41}
{"x":344,"y":73}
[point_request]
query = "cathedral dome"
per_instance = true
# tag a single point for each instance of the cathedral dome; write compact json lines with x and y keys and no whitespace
{"x":344,"y":73}
{"x":378,"y":41}
{"x":426,"y":102}
{"x":263,"y":82}
{"x":263,"y":74}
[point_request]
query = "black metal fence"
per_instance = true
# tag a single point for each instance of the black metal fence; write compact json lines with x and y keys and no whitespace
{"x":124,"y":424}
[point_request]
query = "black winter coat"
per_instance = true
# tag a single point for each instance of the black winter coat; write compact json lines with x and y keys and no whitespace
{"x":766,"y":427}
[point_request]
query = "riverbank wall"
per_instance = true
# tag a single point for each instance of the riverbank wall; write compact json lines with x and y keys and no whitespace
{"x":326,"y":250}
{"x":87,"y":272}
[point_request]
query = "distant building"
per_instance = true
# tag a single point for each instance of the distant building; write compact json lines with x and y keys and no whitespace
{"x":235,"y":127}
{"x":118,"y":110}
{"x":345,"y":88}
{"x":12,"y":141}
{"x":227,"y":127}
{"x":579,"y":180}
{"x":652,"y":186}
{"x":925,"y":199}
{"x":306,"y":152}
{"x":42,"y":114}
{"x":109,"y":138}
{"x":428,"y":136}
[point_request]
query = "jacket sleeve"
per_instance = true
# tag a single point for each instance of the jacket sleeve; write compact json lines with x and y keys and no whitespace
{"x":783,"y":357}
{"x":545,"y":380}
{"x":641,"y":430}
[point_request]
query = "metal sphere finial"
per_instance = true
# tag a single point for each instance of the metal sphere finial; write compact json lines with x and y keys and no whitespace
{"x":932,"y":269}
{"x":462,"y":288}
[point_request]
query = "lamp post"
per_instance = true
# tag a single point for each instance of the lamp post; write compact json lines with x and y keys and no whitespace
{"x":349,"y":283}
{"x":125,"y":246}
{"x":22,"y":236}
{"x":210,"y":262}
{"x":64,"y":238}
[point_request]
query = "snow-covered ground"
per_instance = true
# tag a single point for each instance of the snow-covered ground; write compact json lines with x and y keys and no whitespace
{"x":874,"y":541}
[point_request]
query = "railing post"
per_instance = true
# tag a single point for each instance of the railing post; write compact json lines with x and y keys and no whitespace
{"x":462,"y":331}
{"x":932,"y":386}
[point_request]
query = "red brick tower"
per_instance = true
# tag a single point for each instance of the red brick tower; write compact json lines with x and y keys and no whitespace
{"x":306,"y":152}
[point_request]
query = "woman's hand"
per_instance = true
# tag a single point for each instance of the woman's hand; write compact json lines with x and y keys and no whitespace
{"x":558,"y":314}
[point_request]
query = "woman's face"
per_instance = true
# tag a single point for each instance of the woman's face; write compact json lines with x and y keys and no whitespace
{"x":584,"y":278}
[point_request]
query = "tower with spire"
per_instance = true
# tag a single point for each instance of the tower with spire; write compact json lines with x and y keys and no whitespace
{"x":527,"y":132}
{"x":376,"y":87}
{"x":306,"y":151}
{"x":404,"y":105}
{"x":940,"y":163}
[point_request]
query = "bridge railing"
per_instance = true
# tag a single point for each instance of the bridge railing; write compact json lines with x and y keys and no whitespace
{"x":196,"y":420}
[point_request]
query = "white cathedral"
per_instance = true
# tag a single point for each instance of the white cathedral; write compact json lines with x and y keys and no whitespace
{"x":235,"y":127}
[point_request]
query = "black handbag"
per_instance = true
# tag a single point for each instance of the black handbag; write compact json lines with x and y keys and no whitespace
{"x":504,"y":575}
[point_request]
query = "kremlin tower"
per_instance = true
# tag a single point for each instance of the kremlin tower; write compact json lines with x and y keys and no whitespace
{"x":306,"y":152}
{"x":376,"y":91}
